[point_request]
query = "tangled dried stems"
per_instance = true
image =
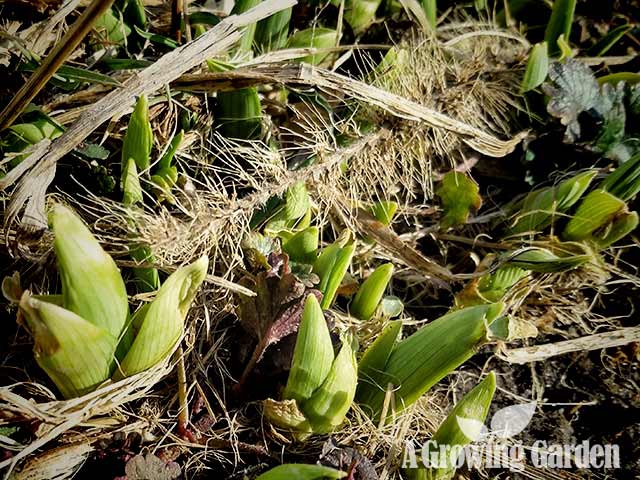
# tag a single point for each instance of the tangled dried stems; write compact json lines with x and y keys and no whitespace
{"x":444,"y":96}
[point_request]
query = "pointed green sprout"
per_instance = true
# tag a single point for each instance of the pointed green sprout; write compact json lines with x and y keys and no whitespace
{"x":294,"y":213}
{"x":491,"y":287}
{"x":384,"y":211}
{"x":138,"y":140}
{"x":375,"y":357}
{"x":320,"y":388}
{"x":473,"y":408}
{"x":80,"y":335}
{"x":539,"y":208}
{"x":417,"y":363}
{"x":130,"y":184}
{"x":147,"y":278}
{"x":331,"y":266}
{"x":92,"y":286}
{"x":371,"y":292}
{"x":559,"y":24}
{"x":603,"y":216}
{"x":76,"y":354}
{"x":271,"y":33}
{"x":622,"y":225}
{"x":22,"y":135}
{"x":595,"y":211}
{"x":329,"y":404}
{"x":558,"y":257}
{"x":163,"y":323}
{"x":312,"y":356}
{"x":430,"y":11}
{"x":165,"y":174}
{"x":241,"y":6}
{"x":624,"y":181}
{"x":110,"y":29}
{"x":239,"y":112}
{"x":360,"y":13}
{"x":302,"y":247}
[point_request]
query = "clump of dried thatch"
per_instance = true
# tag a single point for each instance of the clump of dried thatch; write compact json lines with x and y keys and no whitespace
{"x":448,"y":95}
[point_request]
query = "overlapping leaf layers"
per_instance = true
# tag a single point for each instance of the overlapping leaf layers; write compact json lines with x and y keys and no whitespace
{"x":307,"y":184}
{"x":85,"y":336}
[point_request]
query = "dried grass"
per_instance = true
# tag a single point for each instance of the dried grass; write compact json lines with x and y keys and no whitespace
{"x":56,"y":417}
{"x":449,"y":95}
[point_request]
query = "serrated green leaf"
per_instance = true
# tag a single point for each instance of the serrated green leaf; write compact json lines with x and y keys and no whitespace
{"x":93,"y":151}
{"x":458,"y":194}
{"x":573,"y":90}
{"x":612,"y":130}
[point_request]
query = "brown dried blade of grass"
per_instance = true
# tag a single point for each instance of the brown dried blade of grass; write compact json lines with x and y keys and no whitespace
{"x":56,"y":464}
